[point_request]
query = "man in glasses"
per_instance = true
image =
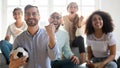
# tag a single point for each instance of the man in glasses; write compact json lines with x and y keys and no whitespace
{"x":39,"y":43}
{"x":62,"y":41}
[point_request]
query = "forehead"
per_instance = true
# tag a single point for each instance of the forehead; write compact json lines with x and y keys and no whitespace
{"x":96,"y":15}
{"x":17,"y":11}
{"x":55,"y":14}
{"x":72,"y":4}
{"x":32,"y":9}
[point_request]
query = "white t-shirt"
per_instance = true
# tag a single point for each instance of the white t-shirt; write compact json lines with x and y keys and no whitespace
{"x":14,"y":31}
{"x":99,"y":46}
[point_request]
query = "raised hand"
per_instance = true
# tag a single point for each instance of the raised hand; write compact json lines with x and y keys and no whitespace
{"x":51,"y":33}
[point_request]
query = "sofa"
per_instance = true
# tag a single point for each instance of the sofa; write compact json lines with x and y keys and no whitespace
{"x":3,"y":61}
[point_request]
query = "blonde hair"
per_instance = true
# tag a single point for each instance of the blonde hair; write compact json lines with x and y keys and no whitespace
{"x":71,"y":3}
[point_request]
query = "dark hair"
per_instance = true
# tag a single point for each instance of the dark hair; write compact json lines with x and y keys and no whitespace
{"x":107,"y":23}
{"x":17,"y":9}
{"x":30,"y":6}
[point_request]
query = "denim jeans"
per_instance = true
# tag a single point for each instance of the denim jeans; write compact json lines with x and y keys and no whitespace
{"x":63,"y":64}
{"x":111,"y":64}
{"x":6,"y":48}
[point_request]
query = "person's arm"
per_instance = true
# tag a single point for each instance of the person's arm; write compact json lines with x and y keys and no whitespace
{"x":51,"y":34}
{"x":8,"y":34}
{"x":89,"y":53}
{"x":16,"y":63}
{"x":66,"y":46}
{"x":82,"y":57}
{"x":111,"y":57}
{"x":67,"y":50}
{"x":89,"y":56}
{"x":80,"y":22}
{"x":7,"y":38}
{"x":53,"y":50}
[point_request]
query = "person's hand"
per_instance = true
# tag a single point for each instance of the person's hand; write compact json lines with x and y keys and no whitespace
{"x":51,"y":33}
{"x":89,"y":64}
{"x":75,"y":59}
{"x":100,"y":65}
{"x":15,"y":63}
{"x":80,"y":21}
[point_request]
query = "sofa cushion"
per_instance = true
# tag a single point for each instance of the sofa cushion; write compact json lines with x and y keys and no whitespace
{"x":2,"y":59}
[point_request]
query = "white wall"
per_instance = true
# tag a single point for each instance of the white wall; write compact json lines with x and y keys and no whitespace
{"x":3,"y":19}
{"x":0,"y":18}
{"x":113,"y":7}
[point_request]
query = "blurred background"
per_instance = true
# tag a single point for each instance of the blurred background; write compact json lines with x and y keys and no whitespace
{"x":86,"y":7}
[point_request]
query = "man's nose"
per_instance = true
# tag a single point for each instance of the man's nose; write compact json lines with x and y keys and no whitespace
{"x":31,"y":16}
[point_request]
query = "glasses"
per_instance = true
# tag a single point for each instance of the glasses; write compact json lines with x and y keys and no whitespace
{"x":33,"y":14}
{"x":56,"y":17}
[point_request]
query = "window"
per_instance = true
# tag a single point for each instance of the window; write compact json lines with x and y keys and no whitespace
{"x":48,"y":6}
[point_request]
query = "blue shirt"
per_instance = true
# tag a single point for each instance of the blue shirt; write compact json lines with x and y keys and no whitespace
{"x":62,"y":41}
{"x":38,"y":49}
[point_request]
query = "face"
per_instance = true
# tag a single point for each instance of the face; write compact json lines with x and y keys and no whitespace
{"x":97,"y":21}
{"x":56,"y":20}
{"x":72,"y":8}
{"x":17,"y":15}
{"x":32,"y":16}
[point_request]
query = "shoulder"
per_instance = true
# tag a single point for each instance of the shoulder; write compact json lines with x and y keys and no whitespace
{"x":90,"y":37}
{"x":11,"y":25}
{"x":24,"y":24}
{"x":109,"y":35}
{"x":42,"y":30}
{"x":62,"y":31}
{"x":22,"y":35}
{"x":65,"y":17}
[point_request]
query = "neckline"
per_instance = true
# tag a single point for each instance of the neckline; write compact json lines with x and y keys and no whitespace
{"x":98,"y":38}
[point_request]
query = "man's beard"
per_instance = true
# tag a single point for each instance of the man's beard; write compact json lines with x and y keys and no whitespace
{"x":32,"y":22}
{"x":72,"y":12}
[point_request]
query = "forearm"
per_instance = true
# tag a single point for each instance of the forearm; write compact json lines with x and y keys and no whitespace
{"x":53,"y":53}
{"x":83,"y":57}
{"x":89,"y":53}
{"x":51,"y":42}
{"x":109,"y":59}
{"x":7,"y":38}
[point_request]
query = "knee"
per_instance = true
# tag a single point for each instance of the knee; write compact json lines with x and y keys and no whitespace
{"x":3,"y":42}
{"x":111,"y":65}
{"x":81,"y":38}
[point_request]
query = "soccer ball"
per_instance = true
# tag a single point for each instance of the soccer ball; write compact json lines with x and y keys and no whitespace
{"x":20,"y":52}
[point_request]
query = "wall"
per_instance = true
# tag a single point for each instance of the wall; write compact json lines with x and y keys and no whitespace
{"x":3,"y":16}
{"x":113,"y":7}
{"x":0,"y":18}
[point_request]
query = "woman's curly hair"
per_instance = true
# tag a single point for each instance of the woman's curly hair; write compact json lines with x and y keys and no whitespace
{"x":108,"y":26}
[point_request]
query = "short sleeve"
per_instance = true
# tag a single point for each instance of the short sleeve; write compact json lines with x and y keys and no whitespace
{"x":8,"y":31}
{"x":111,"y":39}
{"x":88,"y":42}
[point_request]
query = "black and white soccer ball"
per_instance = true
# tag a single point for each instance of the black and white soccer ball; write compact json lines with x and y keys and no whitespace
{"x":20,"y":52}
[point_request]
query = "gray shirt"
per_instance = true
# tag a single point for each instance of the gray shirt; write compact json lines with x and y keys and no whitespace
{"x":38,"y":49}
